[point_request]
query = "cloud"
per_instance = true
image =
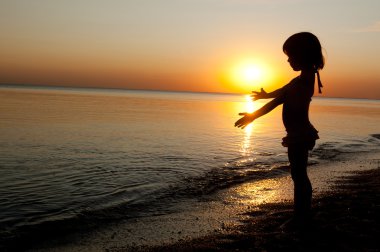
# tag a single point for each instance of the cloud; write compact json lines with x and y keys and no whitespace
{"x":375,"y":27}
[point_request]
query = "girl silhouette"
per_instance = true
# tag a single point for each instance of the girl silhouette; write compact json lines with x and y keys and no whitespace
{"x":304,"y":54}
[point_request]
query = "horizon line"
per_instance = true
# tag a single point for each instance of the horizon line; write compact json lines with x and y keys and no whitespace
{"x":26,"y":85}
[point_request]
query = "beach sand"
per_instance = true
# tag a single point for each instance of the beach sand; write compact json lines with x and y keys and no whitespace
{"x":345,"y":219}
{"x":247,"y":217}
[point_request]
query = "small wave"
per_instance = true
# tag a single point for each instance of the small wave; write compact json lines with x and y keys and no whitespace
{"x":334,"y":150}
{"x":377,"y":136}
{"x":237,"y":172}
{"x":327,"y":151}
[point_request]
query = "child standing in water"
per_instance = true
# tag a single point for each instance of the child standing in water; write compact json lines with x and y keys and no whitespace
{"x":304,"y":54}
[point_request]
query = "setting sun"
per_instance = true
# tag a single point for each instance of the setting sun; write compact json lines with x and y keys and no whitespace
{"x":250,"y":73}
{"x":246,"y":75}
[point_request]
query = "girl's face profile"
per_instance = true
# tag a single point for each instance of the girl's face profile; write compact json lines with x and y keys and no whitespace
{"x":294,"y":64}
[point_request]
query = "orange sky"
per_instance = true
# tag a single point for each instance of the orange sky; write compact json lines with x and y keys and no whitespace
{"x":186,"y":45}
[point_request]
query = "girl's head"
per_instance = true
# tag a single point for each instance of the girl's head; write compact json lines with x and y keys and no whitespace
{"x":304,"y":51}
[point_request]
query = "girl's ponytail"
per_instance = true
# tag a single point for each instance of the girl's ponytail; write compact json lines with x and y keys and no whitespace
{"x":320,"y":86}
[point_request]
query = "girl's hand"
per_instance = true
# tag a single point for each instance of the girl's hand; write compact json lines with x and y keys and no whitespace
{"x":259,"y":95}
{"x":244,"y":121}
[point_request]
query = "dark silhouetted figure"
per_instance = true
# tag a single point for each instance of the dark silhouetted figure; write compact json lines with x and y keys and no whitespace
{"x":304,"y":54}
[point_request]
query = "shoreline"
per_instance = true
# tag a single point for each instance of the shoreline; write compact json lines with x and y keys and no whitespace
{"x":346,"y":219}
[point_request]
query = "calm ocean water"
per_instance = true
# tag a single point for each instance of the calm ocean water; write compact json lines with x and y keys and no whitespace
{"x":92,"y":153}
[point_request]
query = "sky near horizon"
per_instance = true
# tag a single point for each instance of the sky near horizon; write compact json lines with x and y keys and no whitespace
{"x":187,"y":45}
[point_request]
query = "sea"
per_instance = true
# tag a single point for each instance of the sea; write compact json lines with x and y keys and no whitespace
{"x":83,"y":154}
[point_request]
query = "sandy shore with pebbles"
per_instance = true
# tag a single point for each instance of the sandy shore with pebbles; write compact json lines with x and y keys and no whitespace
{"x":347,"y":218}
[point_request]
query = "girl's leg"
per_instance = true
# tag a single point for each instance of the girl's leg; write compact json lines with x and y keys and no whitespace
{"x":298,"y":155}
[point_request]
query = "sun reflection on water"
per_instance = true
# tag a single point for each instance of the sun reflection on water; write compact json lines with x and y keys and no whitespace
{"x":246,"y":145}
{"x":250,"y":106}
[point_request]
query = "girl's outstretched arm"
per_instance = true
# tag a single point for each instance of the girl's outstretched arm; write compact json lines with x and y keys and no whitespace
{"x":250,"y":117}
{"x":264,"y":95}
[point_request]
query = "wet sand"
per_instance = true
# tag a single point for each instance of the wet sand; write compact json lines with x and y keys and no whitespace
{"x":346,"y":218}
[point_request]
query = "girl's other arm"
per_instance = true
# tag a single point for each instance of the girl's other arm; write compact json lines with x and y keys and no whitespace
{"x":264,"y":95}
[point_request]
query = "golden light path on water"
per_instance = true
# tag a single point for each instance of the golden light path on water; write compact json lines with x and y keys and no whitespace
{"x":246,"y":146}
